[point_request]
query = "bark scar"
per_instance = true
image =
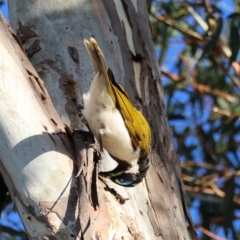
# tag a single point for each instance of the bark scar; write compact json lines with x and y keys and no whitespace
{"x":73,"y":52}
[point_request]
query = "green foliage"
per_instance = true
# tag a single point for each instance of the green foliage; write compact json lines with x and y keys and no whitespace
{"x":202,"y":88}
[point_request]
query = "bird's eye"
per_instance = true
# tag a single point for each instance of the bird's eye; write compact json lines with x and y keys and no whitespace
{"x":124,"y":180}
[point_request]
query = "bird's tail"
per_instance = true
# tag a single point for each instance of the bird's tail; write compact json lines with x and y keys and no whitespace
{"x":100,"y":65}
{"x":96,"y":56}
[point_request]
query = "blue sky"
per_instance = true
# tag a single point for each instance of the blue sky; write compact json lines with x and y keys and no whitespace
{"x":4,"y":10}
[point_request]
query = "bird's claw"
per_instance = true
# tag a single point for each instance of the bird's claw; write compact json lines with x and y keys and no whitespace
{"x":96,"y":149}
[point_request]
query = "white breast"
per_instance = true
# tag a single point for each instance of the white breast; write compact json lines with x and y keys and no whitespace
{"x":103,"y":117}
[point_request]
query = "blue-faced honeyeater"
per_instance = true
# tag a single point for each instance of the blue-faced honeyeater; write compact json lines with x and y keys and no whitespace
{"x":121,"y":129}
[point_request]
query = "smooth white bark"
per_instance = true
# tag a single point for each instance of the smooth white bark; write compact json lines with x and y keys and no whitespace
{"x":34,"y":162}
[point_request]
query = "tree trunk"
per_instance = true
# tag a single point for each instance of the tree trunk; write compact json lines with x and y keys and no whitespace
{"x":37,"y":164}
{"x":36,"y":155}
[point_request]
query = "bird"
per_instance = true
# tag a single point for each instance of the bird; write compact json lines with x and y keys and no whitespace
{"x":117,"y":125}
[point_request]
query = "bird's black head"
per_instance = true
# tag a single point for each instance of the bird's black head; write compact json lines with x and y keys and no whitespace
{"x":127,"y":175}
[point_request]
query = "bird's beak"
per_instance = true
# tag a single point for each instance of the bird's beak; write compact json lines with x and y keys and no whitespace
{"x":105,"y":174}
{"x":121,"y":168}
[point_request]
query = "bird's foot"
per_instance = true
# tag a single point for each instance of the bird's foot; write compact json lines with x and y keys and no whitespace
{"x":96,"y":149}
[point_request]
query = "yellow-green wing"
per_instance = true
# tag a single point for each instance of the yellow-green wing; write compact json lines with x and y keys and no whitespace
{"x":136,"y":124}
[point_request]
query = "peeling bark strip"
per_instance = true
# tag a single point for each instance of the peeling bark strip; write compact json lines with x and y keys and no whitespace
{"x":25,"y":32}
{"x":28,"y":37}
{"x":121,"y":27}
{"x":35,"y":47}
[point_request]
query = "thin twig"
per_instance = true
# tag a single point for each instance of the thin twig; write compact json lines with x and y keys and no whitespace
{"x":210,"y":234}
{"x":173,"y":24}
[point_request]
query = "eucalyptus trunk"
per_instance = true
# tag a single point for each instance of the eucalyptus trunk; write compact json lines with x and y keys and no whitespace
{"x":37,"y":153}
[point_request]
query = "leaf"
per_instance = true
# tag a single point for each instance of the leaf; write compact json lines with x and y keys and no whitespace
{"x":194,"y":48}
{"x":215,"y":38}
{"x":228,"y":204}
{"x":2,"y":2}
{"x":149,"y":4}
{"x":165,"y":44}
{"x":169,"y":7}
{"x":234,"y":43}
{"x":228,"y":126}
{"x":221,"y":146}
{"x":235,"y":107}
{"x":12,"y":232}
{"x":223,"y":104}
{"x":176,"y":117}
{"x":234,"y":16}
